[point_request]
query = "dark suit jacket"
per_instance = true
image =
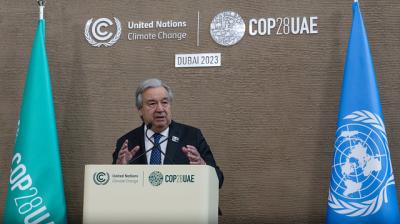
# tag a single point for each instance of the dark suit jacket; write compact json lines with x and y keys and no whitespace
{"x":187,"y":136}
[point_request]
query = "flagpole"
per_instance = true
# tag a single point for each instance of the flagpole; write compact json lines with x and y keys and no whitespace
{"x":41,"y":4}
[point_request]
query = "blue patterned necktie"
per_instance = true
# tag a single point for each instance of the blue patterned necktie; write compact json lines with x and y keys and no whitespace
{"x":155,"y":157}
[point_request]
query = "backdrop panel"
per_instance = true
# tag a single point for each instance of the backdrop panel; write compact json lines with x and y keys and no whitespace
{"x":269,"y":112}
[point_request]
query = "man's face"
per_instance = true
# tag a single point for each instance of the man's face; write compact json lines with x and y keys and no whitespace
{"x":156,"y":108}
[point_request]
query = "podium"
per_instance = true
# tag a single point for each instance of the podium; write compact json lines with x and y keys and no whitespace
{"x":150,"y":194}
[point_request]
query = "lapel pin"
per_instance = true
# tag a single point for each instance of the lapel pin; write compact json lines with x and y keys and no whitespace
{"x":175,"y":139}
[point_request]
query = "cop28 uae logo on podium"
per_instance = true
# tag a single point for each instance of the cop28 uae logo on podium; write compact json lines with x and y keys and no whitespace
{"x":227,"y":28}
{"x":361,"y":168}
{"x":96,"y":34}
{"x":156,"y":178}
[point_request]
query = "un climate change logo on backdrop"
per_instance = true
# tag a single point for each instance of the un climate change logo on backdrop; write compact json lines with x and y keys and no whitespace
{"x":227,"y":28}
{"x":156,"y":178}
{"x":361,"y":168}
{"x":97,"y":36}
{"x":101,"y":178}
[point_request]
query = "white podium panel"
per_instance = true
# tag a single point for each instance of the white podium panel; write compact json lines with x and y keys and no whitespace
{"x":150,"y":194}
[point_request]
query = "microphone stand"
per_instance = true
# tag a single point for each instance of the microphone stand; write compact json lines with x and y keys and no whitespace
{"x":155,"y":146}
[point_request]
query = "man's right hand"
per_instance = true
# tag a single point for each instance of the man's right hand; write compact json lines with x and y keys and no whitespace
{"x":125,"y":155}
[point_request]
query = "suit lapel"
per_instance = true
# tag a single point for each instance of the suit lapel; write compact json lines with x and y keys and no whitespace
{"x":142,"y":146}
{"x":140,"y":141}
{"x":173,"y":143}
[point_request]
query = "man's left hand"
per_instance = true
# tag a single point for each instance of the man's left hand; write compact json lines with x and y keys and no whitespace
{"x":193,"y":155}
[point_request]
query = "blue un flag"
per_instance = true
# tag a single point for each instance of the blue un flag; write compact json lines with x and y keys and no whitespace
{"x":362,"y":188}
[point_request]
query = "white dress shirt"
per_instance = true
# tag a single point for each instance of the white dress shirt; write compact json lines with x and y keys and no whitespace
{"x":148,"y":145}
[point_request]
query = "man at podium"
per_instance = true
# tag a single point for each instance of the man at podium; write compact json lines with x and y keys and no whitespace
{"x":160,"y":140}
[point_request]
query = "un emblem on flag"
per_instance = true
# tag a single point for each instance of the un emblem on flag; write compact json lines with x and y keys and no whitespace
{"x":361,"y":169}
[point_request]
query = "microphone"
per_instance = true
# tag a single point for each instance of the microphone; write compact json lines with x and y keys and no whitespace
{"x":149,"y":125}
{"x":155,"y":146}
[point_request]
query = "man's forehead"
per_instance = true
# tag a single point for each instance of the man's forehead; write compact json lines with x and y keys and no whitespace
{"x":155,"y":93}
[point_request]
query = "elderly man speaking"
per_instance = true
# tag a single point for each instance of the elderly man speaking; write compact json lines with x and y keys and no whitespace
{"x":174,"y":143}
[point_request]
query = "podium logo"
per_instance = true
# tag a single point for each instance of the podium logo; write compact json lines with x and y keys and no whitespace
{"x":98,"y":35}
{"x":156,"y":178}
{"x":101,"y":178}
{"x":227,"y":28}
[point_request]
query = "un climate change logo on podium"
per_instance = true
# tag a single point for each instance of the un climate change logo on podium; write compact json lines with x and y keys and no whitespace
{"x":98,"y":37}
{"x":101,"y":178}
{"x":361,"y":169}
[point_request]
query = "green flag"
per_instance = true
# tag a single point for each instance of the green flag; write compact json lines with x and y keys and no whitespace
{"x":35,"y":190}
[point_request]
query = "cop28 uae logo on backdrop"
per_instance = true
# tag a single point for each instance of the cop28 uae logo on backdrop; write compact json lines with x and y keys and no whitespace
{"x":227,"y":28}
{"x":98,"y":34}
